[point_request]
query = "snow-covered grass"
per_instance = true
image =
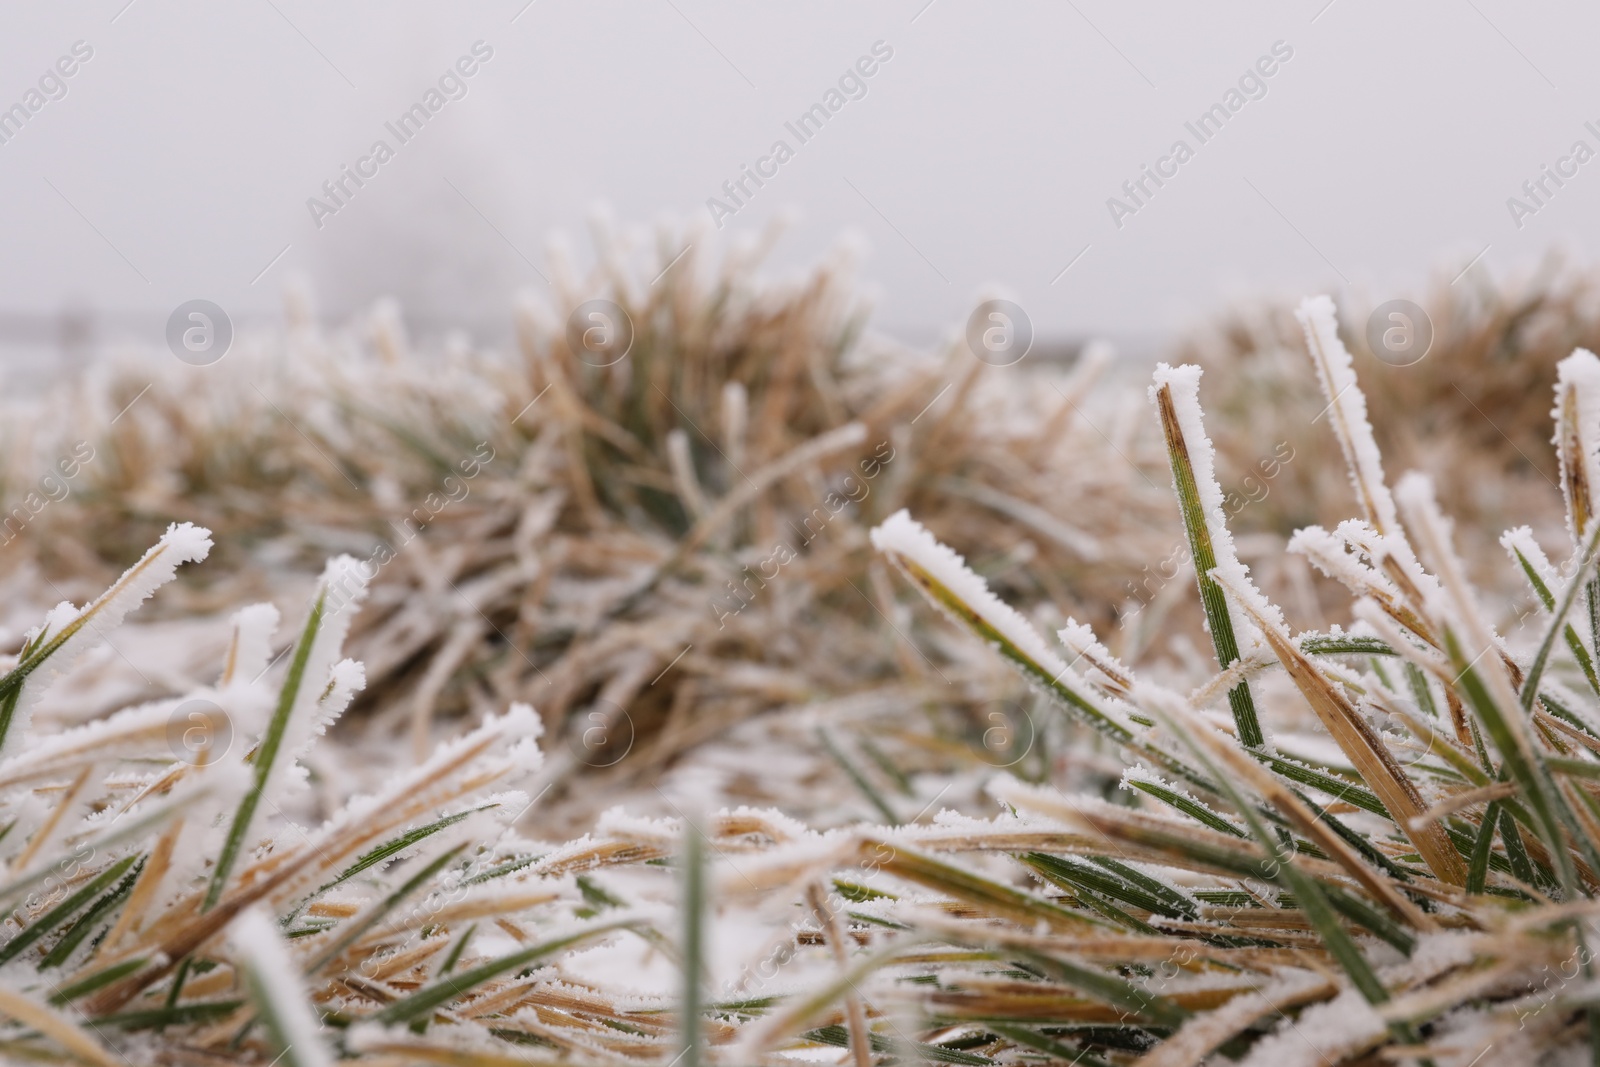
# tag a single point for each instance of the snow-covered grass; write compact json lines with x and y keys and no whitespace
{"x":648,"y":535}
{"x":1365,"y":842}
{"x":1433,"y":872}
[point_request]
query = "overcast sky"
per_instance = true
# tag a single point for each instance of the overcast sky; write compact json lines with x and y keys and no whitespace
{"x":180,"y":160}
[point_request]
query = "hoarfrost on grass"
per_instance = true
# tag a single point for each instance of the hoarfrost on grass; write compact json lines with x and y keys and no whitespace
{"x":902,"y":535}
{"x":280,"y":996}
{"x":1347,"y":411}
{"x":79,"y":630}
{"x":1184,"y":383}
{"x":1579,"y":376}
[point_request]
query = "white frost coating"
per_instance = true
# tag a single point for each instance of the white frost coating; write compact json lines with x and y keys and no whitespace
{"x":55,"y":620}
{"x":1042,"y":802}
{"x":1579,"y":372}
{"x":476,"y":827}
{"x":1452,"y":601}
{"x":1324,"y":1033}
{"x":1520,"y":542}
{"x":506,"y":750}
{"x":509,"y":741}
{"x":344,"y":582}
{"x":182,"y":543}
{"x":1359,"y":568}
{"x":1208,"y":1029}
{"x":1184,"y":382}
{"x":253,"y":628}
{"x":347,"y":678}
{"x":1581,"y":707}
{"x":275,"y":985}
{"x":901,"y":535}
{"x":1327,"y":553}
{"x":217,"y":787}
{"x":1103,"y":667}
{"x":1347,"y":411}
{"x":773,"y":822}
{"x":1136,"y":773}
{"x":119,"y":731}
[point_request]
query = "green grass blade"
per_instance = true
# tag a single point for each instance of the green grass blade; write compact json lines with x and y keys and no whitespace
{"x":1345,"y":645}
{"x":839,"y":1037}
{"x":453,"y":957}
{"x":1569,"y":596}
{"x":1339,"y":788}
{"x":447,"y":988}
{"x":64,"y":910}
{"x":98,"y":980}
{"x":1483,"y":846}
{"x":1180,"y":903}
{"x":1123,"y":995}
{"x":1190,"y":807}
{"x":157,"y":1018}
{"x":266,"y":756}
{"x":1525,"y":768}
{"x":1076,"y":876}
{"x":858,"y":779}
{"x":1421,"y":692}
{"x":985,"y":893}
{"x":1517,"y":854}
{"x":349,"y":932}
{"x":1308,"y":891}
{"x":1574,"y":643}
{"x":1218,"y":619}
{"x":387,"y":850}
{"x":1378,"y":922}
{"x":90,"y":919}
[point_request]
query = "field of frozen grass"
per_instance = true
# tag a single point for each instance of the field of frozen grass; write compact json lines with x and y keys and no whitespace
{"x":776,"y":693}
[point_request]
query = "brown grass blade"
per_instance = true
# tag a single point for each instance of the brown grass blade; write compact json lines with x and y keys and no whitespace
{"x":1366,"y":751}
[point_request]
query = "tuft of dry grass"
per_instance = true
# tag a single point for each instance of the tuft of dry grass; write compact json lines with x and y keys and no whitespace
{"x":1418,"y":856}
{"x":1376,"y":841}
{"x":1473,"y":412}
{"x":679,"y":536}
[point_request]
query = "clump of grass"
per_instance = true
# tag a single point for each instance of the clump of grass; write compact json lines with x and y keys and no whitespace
{"x":1371,"y":843}
{"x":162,"y":904}
{"x":615,"y":544}
{"x":1472,"y":411}
{"x":1406,"y":874}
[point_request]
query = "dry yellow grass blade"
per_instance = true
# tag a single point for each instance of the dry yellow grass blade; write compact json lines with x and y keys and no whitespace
{"x":57,"y":1026}
{"x":1574,"y":469}
{"x":45,"y":832}
{"x":855,"y":1014}
{"x":1365,"y":749}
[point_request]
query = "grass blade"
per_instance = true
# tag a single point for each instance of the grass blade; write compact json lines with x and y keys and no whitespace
{"x":1360,"y":742}
{"x":693,"y":904}
{"x":56,"y":1026}
{"x":449,"y":987}
{"x":65,"y":910}
{"x":1203,"y":551}
{"x":280,"y":1001}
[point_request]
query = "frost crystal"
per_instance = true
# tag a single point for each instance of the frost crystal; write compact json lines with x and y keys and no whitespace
{"x":902,"y":535}
{"x":1347,"y":411}
{"x":1184,"y":382}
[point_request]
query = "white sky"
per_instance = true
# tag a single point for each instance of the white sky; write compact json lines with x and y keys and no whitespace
{"x":983,"y":153}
